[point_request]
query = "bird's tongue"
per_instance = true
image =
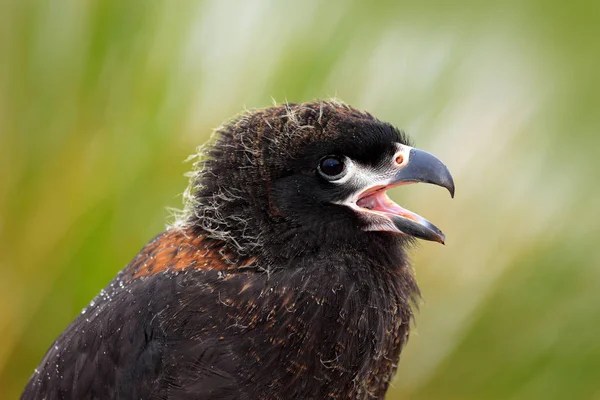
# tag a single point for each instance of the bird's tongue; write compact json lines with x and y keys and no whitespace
{"x":380,"y":202}
{"x":375,"y":201}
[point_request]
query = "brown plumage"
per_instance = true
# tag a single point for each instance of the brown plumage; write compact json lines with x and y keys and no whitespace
{"x":285,"y":278}
{"x":180,"y":249}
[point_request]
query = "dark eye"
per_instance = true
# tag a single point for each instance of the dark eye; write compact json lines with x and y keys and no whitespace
{"x":332,"y":167}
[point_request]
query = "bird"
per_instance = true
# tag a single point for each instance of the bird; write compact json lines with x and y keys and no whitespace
{"x":285,"y":276}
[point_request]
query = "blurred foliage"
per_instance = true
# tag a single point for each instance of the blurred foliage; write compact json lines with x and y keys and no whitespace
{"x":100,"y":101}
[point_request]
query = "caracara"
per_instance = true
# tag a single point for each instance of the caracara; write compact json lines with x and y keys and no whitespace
{"x":286,"y":277}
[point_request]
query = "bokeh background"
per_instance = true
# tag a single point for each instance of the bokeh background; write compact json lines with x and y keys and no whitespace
{"x":101,"y":101}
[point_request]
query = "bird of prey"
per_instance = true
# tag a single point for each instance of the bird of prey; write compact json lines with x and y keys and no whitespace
{"x":286,"y":276}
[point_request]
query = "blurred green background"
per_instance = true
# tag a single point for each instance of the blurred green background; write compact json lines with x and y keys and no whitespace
{"x":101,"y":101}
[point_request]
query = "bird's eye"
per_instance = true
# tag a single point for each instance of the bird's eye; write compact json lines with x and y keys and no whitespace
{"x":332,"y":168}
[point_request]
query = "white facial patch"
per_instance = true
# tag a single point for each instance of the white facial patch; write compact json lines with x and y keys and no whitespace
{"x":363,"y":177}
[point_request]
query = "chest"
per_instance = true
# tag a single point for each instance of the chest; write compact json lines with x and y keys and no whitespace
{"x":325,"y":338}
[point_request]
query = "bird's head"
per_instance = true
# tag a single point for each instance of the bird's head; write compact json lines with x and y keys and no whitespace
{"x":297,"y":176}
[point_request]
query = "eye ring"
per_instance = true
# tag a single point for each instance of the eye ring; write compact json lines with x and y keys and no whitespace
{"x":332,"y":167}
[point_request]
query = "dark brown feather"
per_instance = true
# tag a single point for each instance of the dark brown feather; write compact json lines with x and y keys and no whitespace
{"x":175,"y":250}
{"x":267,"y":292}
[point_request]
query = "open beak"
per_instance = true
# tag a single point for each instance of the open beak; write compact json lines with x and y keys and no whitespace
{"x":410,"y":166}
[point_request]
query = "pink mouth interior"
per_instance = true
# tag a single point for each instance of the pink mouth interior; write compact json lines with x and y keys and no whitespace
{"x":377,"y":200}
